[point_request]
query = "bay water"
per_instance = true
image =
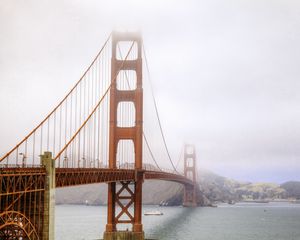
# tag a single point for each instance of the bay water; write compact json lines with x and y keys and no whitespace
{"x":242,"y":221}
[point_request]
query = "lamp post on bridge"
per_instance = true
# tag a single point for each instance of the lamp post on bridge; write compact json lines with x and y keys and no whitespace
{"x":23,"y":159}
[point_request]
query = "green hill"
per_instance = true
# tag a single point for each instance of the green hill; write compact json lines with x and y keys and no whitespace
{"x":292,"y":188}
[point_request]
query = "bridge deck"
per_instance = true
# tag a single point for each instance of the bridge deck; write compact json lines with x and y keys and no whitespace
{"x":79,"y":176}
{"x":73,"y":176}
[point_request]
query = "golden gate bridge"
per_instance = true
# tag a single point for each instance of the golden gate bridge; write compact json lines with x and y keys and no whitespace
{"x":94,"y":135}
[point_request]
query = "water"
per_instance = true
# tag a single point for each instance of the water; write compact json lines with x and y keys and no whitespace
{"x":273,"y":221}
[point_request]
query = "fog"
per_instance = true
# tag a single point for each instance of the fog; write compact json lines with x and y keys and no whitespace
{"x":225,"y":73}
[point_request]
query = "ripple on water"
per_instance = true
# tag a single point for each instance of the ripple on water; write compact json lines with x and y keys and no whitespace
{"x":234,"y":222}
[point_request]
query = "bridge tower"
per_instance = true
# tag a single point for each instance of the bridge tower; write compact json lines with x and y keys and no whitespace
{"x":190,"y":194}
{"x":131,"y":196}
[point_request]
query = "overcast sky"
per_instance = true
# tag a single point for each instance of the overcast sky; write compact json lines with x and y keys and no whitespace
{"x":225,"y":73}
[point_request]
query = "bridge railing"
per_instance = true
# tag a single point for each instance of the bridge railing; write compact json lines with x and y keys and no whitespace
{"x":127,"y":166}
{"x":2,"y":166}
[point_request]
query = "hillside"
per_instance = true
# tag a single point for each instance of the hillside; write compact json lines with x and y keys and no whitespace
{"x":292,"y":189}
{"x":257,"y":191}
{"x":218,"y":188}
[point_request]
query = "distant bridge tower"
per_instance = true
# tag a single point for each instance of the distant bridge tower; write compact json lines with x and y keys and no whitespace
{"x":190,"y":194}
{"x":130,"y":192}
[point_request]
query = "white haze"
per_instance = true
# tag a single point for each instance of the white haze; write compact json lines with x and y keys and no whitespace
{"x":226,"y":73}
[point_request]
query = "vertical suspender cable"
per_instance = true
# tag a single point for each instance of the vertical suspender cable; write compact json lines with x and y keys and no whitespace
{"x":54,"y":132}
{"x":33,"y":149}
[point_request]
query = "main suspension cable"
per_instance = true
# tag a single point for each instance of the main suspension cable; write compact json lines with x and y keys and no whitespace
{"x":156,"y":110}
{"x":181,"y":152}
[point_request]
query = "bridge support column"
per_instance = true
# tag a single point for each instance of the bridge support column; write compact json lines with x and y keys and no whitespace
{"x":190,"y":194}
{"x":125,"y":198}
{"x":49,"y":197}
{"x":189,"y":199}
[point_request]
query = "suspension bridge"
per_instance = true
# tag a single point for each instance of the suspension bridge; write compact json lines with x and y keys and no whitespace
{"x":96,"y":134}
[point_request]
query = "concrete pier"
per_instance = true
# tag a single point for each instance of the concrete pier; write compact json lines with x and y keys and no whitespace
{"x":49,"y":197}
{"x":123,"y":235}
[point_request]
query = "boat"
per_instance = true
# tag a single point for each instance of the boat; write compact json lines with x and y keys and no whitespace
{"x":153,"y":213}
{"x":255,"y":201}
{"x":162,"y":203}
{"x":212,"y":205}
